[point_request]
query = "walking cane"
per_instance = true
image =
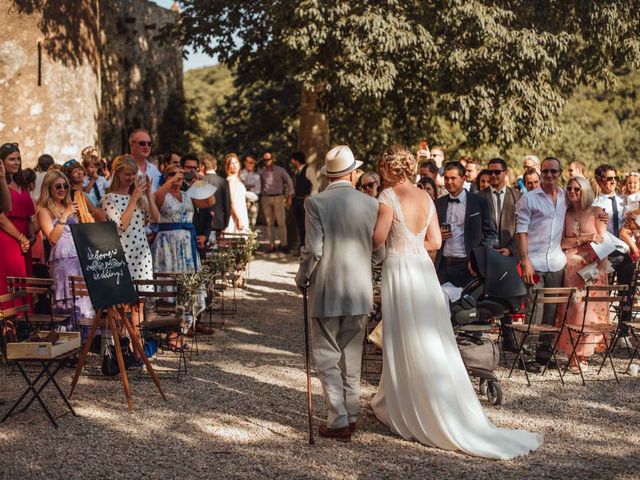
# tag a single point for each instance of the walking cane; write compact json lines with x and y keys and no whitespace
{"x":307,"y":365}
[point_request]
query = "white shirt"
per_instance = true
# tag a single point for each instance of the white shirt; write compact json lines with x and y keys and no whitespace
{"x":454,"y":247}
{"x":604,"y":201}
{"x":251,"y":180}
{"x":543,"y":223}
{"x":494,"y":200}
{"x":154,"y":175}
{"x":102,"y":184}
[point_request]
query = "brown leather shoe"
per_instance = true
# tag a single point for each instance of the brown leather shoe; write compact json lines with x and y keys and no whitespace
{"x":341,"y":434}
{"x":353,"y":427}
{"x":203,"y":329}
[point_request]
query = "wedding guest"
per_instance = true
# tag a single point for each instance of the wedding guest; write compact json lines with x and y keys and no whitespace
{"x":304,"y":185}
{"x":472,"y":169}
{"x":56,"y":211}
{"x":94,"y":185}
{"x":483,"y":181}
{"x":370,"y":184}
{"x":5,"y":194}
{"x":428,"y":168}
{"x":169,"y":158}
{"x":531,"y":162}
{"x":531,"y":179}
{"x":222,"y":206}
{"x":140,"y":144}
{"x":274,"y":181}
{"x":540,"y":215}
{"x":190,"y":164}
{"x":252,"y":183}
{"x":576,"y":169}
{"x":45,"y":162}
{"x":581,"y":227}
{"x":30,"y":181}
{"x":471,"y":225}
{"x":87,"y":210}
{"x":429,"y":185}
{"x":438,"y":155}
{"x":175,"y":247}
{"x":129,"y":204}
{"x":239,"y":220}
{"x":613,"y":205}
{"x":17,"y":230}
{"x":631,"y":184}
{"x":502,"y":200}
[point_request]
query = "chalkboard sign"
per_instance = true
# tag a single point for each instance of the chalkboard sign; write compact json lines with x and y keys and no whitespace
{"x":104,"y":265}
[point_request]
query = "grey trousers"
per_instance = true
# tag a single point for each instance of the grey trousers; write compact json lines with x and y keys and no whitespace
{"x":337,"y":352}
{"x":546,"y":315}
{"x":273,"y":209}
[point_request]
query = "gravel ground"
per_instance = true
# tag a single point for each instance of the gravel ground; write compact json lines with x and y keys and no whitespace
{"x":241,"y":413}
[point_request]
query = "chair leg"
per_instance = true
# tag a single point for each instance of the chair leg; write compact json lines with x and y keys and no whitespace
{"x":574,"y":347}
{"x":521,"y":357}
{"x":615,"y":375}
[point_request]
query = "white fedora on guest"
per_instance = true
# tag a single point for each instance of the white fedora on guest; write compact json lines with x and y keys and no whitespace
{"x":339,"y":161}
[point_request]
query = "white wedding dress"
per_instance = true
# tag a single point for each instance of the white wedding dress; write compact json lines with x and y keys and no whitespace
{"x":425,"y":393}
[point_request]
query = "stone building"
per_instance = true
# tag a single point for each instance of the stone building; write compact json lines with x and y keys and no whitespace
{"x":87,"y":72}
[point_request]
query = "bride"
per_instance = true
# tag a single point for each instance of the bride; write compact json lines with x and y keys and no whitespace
{"x":425,"y":393}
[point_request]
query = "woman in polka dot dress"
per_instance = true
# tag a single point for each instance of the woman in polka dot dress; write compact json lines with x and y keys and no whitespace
{"x":129,"y":205}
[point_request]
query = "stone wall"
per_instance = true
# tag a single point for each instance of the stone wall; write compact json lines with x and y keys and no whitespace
{"x":140,"y":77}
{"x":72,"y":77}
{"x":49,"y":77}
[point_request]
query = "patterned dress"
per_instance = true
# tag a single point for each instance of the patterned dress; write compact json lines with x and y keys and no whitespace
{"x":133,"y":239}
{"x":577,"y":259}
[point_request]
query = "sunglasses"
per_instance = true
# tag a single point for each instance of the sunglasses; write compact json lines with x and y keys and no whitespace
{"x":574,"y":189}
{"x":609,"y":179}
{"x":369,"y":185}
{"x":496,"y":172}
{"x":552,"y":171}
{"x":69,"y":163}
{"x":61,"y":186}
{"x":143,"y":143}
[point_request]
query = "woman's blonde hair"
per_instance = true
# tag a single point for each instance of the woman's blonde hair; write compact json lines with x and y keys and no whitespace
{"x":227,"y":160}
{"x":119,"y":163}
{"x":399,"y":163}
{"x":44,"y":200}
{"x":586,"y":192}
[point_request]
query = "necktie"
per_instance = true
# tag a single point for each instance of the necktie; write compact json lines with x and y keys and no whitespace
{"x":498,"y":207}
{"x":616,"y":218}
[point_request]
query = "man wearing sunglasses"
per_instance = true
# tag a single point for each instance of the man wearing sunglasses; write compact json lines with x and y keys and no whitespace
{"x":539,"y":225}
{"x":502,"y":200}
{"x":140,"y":144}
{"x":613,"y":204}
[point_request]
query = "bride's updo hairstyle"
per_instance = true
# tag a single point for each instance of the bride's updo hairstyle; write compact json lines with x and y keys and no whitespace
{"x":399,"y":163}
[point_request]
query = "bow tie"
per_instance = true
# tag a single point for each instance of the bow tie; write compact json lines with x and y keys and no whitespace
{"x":453,"y":200}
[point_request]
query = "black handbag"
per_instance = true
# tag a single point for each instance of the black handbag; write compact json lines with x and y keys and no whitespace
{"x":110,"y":366}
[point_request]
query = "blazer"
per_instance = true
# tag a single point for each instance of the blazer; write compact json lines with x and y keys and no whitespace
{"x":507,"y":225}
{"x":222,"y":208}
{"x":336,"y":259}
{"x":479,"y":227}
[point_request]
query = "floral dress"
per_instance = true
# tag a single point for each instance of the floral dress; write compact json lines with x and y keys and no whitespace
{"x":597,"y":313}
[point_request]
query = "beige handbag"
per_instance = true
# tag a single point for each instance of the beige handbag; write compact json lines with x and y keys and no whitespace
{"x":375,"y":336}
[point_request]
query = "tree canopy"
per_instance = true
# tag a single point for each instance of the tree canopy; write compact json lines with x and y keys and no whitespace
{"x":499,"y":70}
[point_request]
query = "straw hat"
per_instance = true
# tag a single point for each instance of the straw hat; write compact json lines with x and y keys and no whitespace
{"x":201,"y":190}
{"x":339,"y":161}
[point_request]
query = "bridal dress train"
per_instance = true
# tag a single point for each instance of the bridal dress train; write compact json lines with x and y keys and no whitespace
{"x":425,"y":393}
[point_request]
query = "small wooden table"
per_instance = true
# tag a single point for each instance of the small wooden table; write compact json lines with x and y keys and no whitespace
{"x":47,"y":374}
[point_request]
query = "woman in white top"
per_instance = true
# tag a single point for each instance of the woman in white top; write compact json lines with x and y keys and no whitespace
{"x":239,"y":220}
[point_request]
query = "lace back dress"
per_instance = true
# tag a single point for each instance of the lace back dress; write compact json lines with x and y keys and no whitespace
{"x":425,"y":393}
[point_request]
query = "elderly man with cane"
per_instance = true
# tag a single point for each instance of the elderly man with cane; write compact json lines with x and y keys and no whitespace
{"x":335,"y":269}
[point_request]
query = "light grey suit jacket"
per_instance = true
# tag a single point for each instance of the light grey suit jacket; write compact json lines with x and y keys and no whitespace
{"x":336,"y":257}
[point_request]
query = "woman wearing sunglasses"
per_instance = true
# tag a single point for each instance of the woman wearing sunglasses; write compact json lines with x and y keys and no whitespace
{"x":17,"y":230}
{"x":56,"y":211}
{"x":582,"y":226}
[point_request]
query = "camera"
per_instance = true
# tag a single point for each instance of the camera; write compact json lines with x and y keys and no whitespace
{"x":189,"y":177}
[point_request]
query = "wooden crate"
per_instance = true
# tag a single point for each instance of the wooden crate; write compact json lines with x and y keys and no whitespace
{"x":67,"y":342}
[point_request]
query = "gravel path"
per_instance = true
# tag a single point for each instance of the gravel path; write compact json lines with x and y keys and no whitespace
{"x":240,"y":413}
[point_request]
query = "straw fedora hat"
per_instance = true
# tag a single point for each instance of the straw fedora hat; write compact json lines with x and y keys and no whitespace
{"x":339,"y":161}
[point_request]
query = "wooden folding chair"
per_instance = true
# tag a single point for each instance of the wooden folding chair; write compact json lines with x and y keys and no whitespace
{"x":594,"y":294}
{"x":542,"y":297}
{"x":162,"y":317}
{"x":35,"y":287}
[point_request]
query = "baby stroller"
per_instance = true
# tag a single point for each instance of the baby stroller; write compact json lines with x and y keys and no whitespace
{"x":497,"y":290}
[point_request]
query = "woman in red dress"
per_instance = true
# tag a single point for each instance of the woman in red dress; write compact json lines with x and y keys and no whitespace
{"x":17,"y":231}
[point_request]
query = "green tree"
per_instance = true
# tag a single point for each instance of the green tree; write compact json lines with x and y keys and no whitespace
{"x":500,"y":70}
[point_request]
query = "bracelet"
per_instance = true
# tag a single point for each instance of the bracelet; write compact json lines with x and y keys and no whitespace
{"x":62,"y":222}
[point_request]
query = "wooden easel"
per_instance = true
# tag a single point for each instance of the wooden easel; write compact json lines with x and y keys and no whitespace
{"x":115,"y":315}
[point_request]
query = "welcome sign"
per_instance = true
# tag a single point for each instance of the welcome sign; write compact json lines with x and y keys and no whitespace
{"x":104,"y":264}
